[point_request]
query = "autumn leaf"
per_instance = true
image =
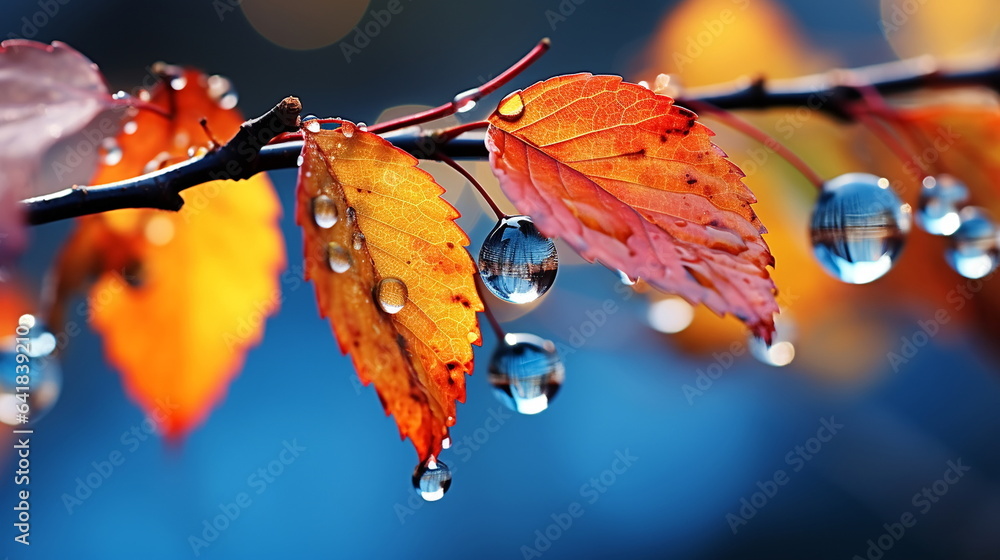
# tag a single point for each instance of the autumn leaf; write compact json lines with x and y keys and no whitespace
{"x":626,"y":177}
{"x":392,"y":275}
{"x":180,"y":297}
{"x":49,"y":96}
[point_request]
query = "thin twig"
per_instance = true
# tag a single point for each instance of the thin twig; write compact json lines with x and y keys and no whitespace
{"x":832,"y":93}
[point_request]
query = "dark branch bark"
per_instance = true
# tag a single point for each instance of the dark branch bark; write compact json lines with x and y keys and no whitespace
{"x":247,"y":153}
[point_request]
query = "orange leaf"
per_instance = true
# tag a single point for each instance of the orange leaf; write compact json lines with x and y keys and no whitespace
{"x":372,"y":220}
{"x":626,"y":177}
{"x":181,"y":296}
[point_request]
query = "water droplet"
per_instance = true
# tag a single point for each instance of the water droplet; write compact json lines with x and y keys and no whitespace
{"x":516,"y":262}
{"x":670,"y":315}
{"x":362,"y":127}
{"x":348,"y":129}
{"x":312,"y":126}
{"x":112,"y":152}
{"x":130,"y":127}
{"x":431,"y":479}
{"x":446,"y":442}
{"x":44,"y":383}
{"x":325,"y":211}
{"x":352,"y":215}
{"x":120,"y":95}
{"x":626,"y":279}
{"x":221,"y":90}
{"x":466,"y":101}
{"x":512,"y":107}
{"x":359,"y":241}
{"x":390,"y":293}
{"x":339,"y":258}
{"x":178,"y":83}
{"x":526,"y":372}
{"x":973,"y":249}
{"x":782,"y":349}
{"x":300,"y":161}
{"x":858,"y":227}
{"x":940,"y":200}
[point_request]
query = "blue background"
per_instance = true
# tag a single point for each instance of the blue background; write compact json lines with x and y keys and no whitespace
{"x":348,"y":495}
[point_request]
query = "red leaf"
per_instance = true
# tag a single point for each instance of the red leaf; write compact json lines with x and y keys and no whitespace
{"x":626,"y":177}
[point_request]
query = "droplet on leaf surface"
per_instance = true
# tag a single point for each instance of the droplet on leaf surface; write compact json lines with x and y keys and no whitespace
{"x":325,"y":212}
{"x":512,"y":107}
{"x":340,"y":259}
{"x":858,"y":227}
{"x":391,"y":293}
{"x":941,"y":198}
{"x":526,"y":372}
{"x":973,"y":249}
{"x":516,"y":262}
{"x":431,"y":479}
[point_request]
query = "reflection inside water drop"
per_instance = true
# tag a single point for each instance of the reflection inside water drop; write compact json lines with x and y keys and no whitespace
{"x":526,"y":372}
{"x":516,"y":262}
{"x":973,"y":249}
{"x":858,"y":227}
{"x":431,"y":479}
{"x":391,"y":294}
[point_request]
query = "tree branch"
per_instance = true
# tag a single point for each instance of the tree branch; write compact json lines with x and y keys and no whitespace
{"x":247,"y":153}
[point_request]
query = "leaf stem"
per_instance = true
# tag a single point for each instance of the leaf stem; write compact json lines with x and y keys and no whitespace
{"x":465,"y":173}
{"x":751,"y":131}
{"x":463,"y":99}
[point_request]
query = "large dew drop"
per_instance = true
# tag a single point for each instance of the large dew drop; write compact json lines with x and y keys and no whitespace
{"x":973,"y":249}
{"x":940,"y":200}
{"x":526,"y":372}
{"x":391,"y":293}
{"x":516,"y":262}
{"x":339,"y":258}
{"x":511,"y":108}
{"x":325,"y":211}
{"x":25,"y":400}
{"x":858,"y":227}
{"x":431,"y":479}
{"x":781,"y":352}
{"x":466,"y":101}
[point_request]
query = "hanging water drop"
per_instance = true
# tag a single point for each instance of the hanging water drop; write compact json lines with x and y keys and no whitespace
{"x":973,"y":249}
{"x":325,"y":211}
{"x":112,"y":152}
{"x":339,"y":258}
{"x":299,"y":161}
{"x":359,"y":241}
{"x":362,"y":127}
{"x":511,"y":107}
{"x":858,"y":227}
{"x":516,"y":262}
{"x":178,"y":83}
{"x":526,"y":372}
{"x":44,"y":382}
{"x":466,"y":101}
{"x":431,"y":479}
{"x":220,"y":89}
{"x":781,"y":352}
{"x":352,"y":215}
{"x":391,"y":293}
{"x":348,"y":129}
{"x":940,"y":200}
{"x":626,"y":279}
